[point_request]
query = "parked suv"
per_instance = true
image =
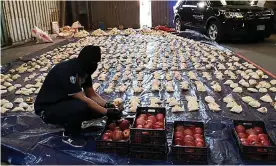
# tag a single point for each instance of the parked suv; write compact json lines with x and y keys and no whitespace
{"x":221,"y":19}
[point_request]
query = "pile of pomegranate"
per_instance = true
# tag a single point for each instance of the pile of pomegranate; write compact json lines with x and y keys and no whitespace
{"x":149,"y":121}
{"x":189,"y":136}
{"x":118,"y":132}
{"x":253,"y":136}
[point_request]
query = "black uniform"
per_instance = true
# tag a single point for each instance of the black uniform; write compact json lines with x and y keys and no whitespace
{"x":55,"y":96}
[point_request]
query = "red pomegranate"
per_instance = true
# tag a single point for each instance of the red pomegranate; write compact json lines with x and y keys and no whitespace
{"x":160,"y":117}
{"x":117,"y":135}
{"x":140,"y":121}
{"x":188,"y":132}
{"x":157,"y":126}
{"x":240,"y":128}
{"x":178,"y":135}
{"x":126,"y":133}
{"x":111,"y":126}
{"x":152,"y":118}
{"x":139,"y":126}
{"x":179,"y":128}
{"x":188,"y":138}
{"x":105,"y":137}
{"x":198,"y":130}
{"x":143,"y":116}
{"x":124,"y":124}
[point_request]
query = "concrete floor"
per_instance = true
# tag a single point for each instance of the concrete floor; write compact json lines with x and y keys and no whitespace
{"x":262,"y":53}
{"x":11,"y":54}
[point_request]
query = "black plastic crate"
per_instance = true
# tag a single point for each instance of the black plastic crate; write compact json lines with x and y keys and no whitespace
{"x":190,"y":158}
{"x":257,"y":153}
{"x":120,"y":147}
{"x":149,"y":136}
{"x":112,"y":146}
{"x":187,"y":153}
{"x":148,"y":148}
{"x":148,"y":155}
{"x":254,"y":149}
{"x":258,"y":157}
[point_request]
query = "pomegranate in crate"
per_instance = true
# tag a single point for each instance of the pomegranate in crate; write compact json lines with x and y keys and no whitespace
{"x":149,"y":121}
{"x":117,"y":132}
{"x":189,"y":136}
{"x":149,"y":127}
{"x":115,"y":138}
{"x":253,"y":141}
{"x":189,"y":144}
{"x":253,"y":136}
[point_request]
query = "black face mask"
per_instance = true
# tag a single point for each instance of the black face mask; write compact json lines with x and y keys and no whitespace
{"x":91,"y":69}
{"x":89,"y":58}
{"x":87,"y":68}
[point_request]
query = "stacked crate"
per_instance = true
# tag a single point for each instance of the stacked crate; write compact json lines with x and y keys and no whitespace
{"x":148,"y":143}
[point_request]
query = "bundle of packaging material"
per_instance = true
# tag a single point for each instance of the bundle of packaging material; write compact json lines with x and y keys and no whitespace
{"x":82,"y":33}
{"x":40,"y":35}
{"x":72,"y":31}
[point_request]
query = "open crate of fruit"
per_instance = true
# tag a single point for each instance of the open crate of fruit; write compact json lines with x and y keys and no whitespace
{"x":188,"y":142}
{"x":149,"y":126}
{"x":253,"y":140}
{"x":115,"y":137}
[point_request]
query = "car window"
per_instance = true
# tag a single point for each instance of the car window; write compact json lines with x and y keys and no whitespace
{"x":191,"y":2}
{"x":216,"y":3}
{"x":227,"y":2}
{"x":237,"y":3}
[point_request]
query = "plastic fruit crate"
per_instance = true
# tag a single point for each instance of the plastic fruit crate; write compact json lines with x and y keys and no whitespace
{"x":112,"y":146}
{"x":120,"y":147}
{"x":148,"y":136}
{"x":148,"y":148}
{"x":190,"y":159}
{"x":258,"y":157}
{"x":189,"y":154}
{"x":266,"y":153}
{"x":157,"y":155}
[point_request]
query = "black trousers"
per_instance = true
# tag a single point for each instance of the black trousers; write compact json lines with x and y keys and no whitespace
{"x":70,"y":114}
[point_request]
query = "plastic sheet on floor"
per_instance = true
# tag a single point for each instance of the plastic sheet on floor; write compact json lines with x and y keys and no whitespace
{"x":26,"y":139}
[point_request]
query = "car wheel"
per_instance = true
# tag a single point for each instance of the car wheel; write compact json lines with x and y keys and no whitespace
{"x":214,"y":32}
{"x":178,"y":25}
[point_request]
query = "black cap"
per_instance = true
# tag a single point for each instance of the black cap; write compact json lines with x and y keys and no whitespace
{"x":89,"y":57}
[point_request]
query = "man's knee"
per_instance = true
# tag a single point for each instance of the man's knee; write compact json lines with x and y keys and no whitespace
{"x":86,"y":112}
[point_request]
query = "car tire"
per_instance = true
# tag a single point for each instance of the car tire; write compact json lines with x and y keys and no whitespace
{"x":214,"y":31}
{"x":178,"y":26}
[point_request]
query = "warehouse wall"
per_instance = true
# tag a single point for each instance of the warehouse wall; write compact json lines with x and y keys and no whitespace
{"x":21,"y":16}
{"x":113,"y":13}
{"x":162,"y":13}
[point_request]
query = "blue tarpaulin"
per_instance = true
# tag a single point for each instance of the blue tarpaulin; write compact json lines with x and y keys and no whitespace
{"x":26,"y":139}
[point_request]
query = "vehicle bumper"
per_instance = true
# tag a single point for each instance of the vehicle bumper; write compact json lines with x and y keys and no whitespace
{"x":234,"y":27}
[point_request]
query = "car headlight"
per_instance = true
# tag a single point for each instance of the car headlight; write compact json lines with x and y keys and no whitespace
{"x":233,"y":15}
